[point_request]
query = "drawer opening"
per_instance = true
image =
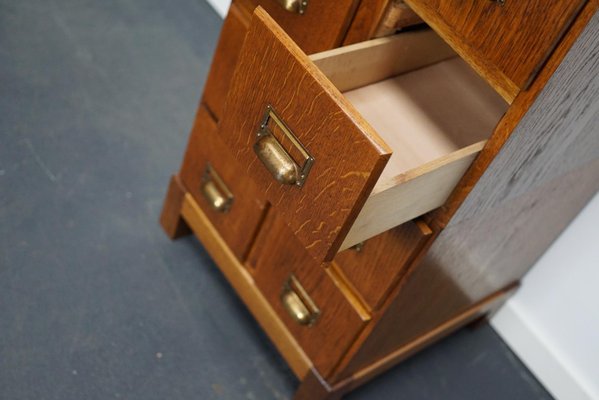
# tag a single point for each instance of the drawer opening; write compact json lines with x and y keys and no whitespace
{"x":428,"y":105}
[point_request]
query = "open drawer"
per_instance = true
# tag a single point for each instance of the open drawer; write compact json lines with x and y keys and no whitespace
{"x":341,"y":168}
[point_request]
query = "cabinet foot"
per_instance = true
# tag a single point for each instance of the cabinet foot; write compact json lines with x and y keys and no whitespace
{"x":173,"y":224}
{"x":314,"y":387}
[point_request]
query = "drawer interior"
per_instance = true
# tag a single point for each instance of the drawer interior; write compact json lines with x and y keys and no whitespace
{"x":431,"y":109}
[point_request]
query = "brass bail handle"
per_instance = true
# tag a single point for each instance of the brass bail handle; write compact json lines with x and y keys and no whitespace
{"x":281,"y":165}
{"x":295,"y":6}
{"x":216,"y":193}
{"x":298,"y":304}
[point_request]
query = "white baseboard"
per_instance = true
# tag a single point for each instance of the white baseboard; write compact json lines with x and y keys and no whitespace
{"x":550,"y":368}
{"x":220,"y":6}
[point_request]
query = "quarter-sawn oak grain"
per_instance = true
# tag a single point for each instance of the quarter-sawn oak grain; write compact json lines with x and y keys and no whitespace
{"x":239,"y":225}
{"x":349,"y":155}
{"x":507,"y":43}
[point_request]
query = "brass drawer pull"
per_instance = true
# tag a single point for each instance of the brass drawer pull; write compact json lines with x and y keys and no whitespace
{"x":296,"y":6}
{"x":278,"y":161}
{"x":215,"y":191}
{"x":298,"y":303}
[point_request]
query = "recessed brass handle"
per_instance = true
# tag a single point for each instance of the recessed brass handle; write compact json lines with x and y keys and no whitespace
{"x":298,"y":304}
{"x":216,"y":193}
{"x":278,"y":161}
{"x":296,"y":6}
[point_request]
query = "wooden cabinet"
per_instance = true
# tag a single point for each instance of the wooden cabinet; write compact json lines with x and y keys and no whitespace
{"x":506,"y":41}
{"x":308,"y":297}
{"x":216,"y":181}
{"x":347,"y":164}
{"x":431,"y":111}
{"x":315,"y":25}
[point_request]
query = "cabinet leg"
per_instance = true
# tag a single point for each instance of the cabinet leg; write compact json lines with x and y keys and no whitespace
{"x":314,"y":387}
{"x":170,"y":218}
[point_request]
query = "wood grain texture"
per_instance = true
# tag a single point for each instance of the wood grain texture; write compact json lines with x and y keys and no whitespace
{"x":366,"y":20}
{"x":510,"y":120}
{"x":382,"y":260}
{"x":360,"y":64}
{"x":321,"y":27}
{"x":170,"y":218}
{"x":545,"y":173}
{"x":275,"y":256}
{"x":411,"y":195}
{"x":238,"y":226}
{"x":244,"y":286}
{"x":349,"y":154}
{"x":224,"y":60}
{"x":354,"y":376}
{"x":507,"y":44}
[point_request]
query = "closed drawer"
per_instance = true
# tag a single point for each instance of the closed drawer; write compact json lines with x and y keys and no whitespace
{"x":343,"y":167}
{"x":228,"y":198}
{"x":225,"y":56}
{"x":507,"y":41}
{"x":315,"y":307}
{"x":316,"y":26}
{"x":374,"y":267}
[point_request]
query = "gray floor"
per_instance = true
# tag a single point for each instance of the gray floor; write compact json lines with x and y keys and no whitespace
{"x":96,"y":99}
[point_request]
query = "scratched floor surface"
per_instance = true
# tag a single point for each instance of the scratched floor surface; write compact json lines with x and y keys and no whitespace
{"x":96,"y":99}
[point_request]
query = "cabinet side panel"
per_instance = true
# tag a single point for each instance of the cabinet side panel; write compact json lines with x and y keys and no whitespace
{"x":545,"y":173}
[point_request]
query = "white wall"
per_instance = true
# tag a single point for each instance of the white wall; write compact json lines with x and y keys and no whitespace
{"x":552,"y":323}
{"x":221,"y":6}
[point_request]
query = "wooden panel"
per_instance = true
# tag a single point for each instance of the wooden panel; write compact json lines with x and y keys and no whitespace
{"x":224,"y":60}
{"x":321,"y":27}
{"x":382,"y":260}
{"x":545,"y":173}
{"x":243,"y":284}
{"x":414,"y":193}
{"x":275,"y":256}
{"x":366,"y":20}
{"x":356,"y":377}
{"x":510,"y":120}
{"x":351,"y":67}
{"x":349,"y":155}
{"x":239,"y":225}
{"x":507,"y":43}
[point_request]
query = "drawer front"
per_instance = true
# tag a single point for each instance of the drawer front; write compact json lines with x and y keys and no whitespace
{"x":223,"y":62}
{"x":212,"y":176}
{"x":311,"y":154}
{"x":321,"y":25}
{"x":304,"y":295}
{"x":507,"y":40}
{"x":375,"y":266}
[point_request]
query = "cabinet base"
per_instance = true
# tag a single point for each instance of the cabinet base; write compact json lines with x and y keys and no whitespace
{"x":181,"y":215}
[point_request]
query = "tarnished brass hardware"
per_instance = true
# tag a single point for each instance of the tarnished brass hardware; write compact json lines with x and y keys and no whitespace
{"x":358,"y":247}
{"x":296,"y":6}
{"x":298,"y":303}
{"x":275,"y":158}
{"x":215,"y":191}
